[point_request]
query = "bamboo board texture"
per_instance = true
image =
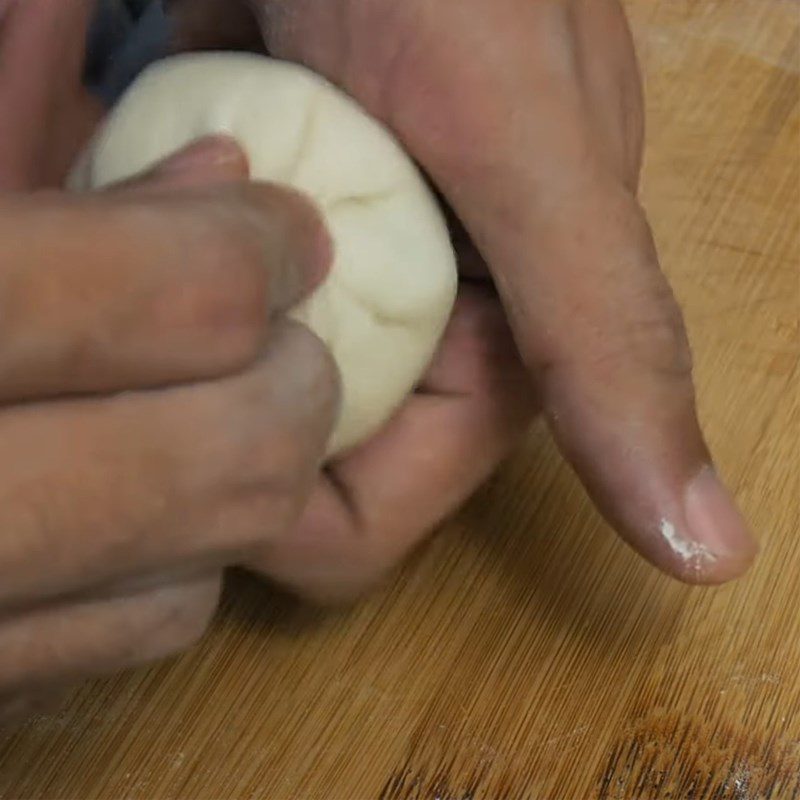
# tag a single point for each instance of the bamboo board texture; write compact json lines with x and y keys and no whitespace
{"x":526,"y":653}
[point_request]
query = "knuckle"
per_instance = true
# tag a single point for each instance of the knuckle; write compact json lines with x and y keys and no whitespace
{"x":277,"y":419}
{"x":655,"y":337}
{"x":650,"y":343}
{"x":634,"y":322}
{"x":650,"y":323}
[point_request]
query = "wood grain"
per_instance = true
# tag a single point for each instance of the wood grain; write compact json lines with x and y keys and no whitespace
{"x":526,"y":653}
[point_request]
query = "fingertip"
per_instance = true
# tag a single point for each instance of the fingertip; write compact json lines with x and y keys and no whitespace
{"x":707,"y":569}
{"x":716,"y":525}
{"x":646,"y":465}
{"x":299,"y":244}
{"x":706,"y":541}
{"x":719,"y":573}
{"x":210,"y":160}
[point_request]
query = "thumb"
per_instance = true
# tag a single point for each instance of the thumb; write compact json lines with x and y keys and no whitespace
{"x":529,"y":166}
{"x":596,"y":321}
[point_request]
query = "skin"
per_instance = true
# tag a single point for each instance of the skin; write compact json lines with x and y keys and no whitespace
{"x":527,"y":117}
{"x":160,"y":420}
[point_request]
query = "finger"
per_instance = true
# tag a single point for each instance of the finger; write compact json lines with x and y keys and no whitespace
{"x":574,"y":260}
{"x":382,"y":500}
{"x":65,"y":644}
{"x":42,"y":50}
{"x":20,"y":707}
{"x":594,"y":317}
{"x":142,"y":288}
{"x":48,"y":37}
{"x":196,"y":477}
{"x":620,"y":398}
{"x":212,"y":161}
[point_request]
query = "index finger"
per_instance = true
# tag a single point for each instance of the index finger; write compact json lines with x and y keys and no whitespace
{"x":147,"y":287}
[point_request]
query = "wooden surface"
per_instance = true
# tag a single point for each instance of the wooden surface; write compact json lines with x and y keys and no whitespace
{"x":526,"y":653}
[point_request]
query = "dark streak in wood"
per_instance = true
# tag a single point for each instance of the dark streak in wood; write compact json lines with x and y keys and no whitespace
{"x":444,"y":782}
{"x":669,"y":758}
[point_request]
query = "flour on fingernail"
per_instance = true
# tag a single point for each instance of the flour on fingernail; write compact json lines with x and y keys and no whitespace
{"x":694,"y":555}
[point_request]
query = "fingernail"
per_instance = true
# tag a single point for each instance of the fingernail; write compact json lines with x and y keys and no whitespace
{"x":212,"y":154}
{"x":716,"y":526}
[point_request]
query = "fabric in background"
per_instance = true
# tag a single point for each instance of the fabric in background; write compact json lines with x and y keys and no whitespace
{"x":125,"y":37}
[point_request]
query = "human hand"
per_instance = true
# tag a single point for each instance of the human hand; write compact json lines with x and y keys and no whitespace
{"x":529,"y":118}
{"x":374,"y":505}
{"x":160,"y":419}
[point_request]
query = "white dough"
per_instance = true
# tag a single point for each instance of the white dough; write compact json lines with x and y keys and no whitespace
{"x":384,"y":307}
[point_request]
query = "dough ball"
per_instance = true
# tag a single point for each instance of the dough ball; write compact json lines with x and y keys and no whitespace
{"x":390,"y":292}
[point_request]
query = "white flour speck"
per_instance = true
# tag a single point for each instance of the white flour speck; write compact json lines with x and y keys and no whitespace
{"x":693,"y":554}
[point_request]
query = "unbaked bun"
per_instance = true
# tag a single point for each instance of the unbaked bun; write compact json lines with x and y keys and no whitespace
{"x":384,"y":307}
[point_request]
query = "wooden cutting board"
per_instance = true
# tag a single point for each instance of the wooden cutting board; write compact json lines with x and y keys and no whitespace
{"x":526,"y":653}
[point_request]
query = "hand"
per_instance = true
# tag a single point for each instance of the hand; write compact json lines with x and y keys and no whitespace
{"x":528,"y":116}
{"x":371,"y":507}
{"x":160,"y":419}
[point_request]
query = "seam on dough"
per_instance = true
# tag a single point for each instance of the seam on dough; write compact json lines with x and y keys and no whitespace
{"x":306,"y":136}
{"x":364,"y":199}
{"x":378,"y":315}
{"x":409,"y":318}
